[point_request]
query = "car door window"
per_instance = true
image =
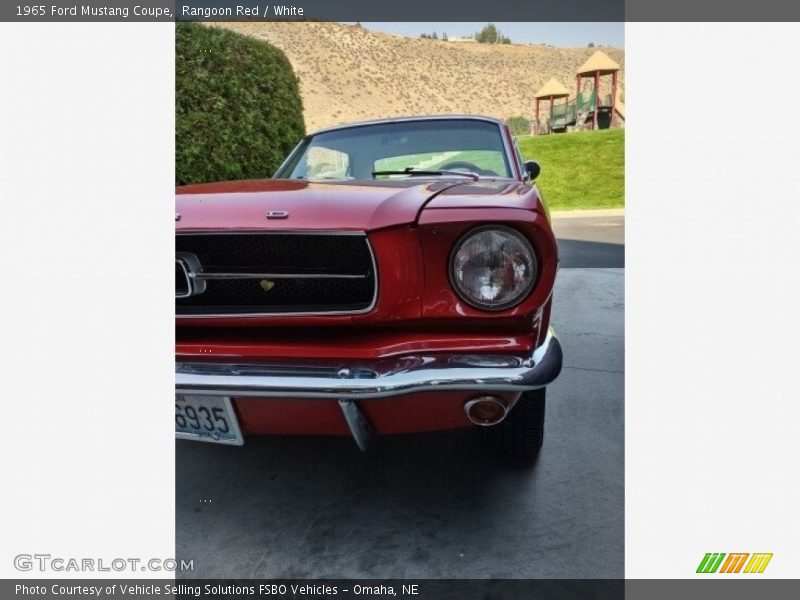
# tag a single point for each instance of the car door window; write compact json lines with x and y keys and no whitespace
{"x":326,"y":163}
{"x":521,"y":162}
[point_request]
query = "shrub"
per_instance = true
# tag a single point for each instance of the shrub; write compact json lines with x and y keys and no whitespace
{"x":238,"y":110}
{"x":490,"y":34}
{"x":519,"y":125}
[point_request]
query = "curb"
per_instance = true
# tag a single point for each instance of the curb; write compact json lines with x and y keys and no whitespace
{"x":586,"y":213}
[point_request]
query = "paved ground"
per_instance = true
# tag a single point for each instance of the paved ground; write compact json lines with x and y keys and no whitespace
{"x":595,"y":242}
{"x":435,"y":505}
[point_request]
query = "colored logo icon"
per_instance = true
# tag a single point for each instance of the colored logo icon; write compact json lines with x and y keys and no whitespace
{"x":737,"y":562}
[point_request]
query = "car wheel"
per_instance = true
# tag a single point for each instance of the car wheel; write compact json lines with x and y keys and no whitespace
{"x":521,"y":433}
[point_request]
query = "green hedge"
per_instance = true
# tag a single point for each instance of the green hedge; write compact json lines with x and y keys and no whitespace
{"x":519,"y":125}
{"x":238,"y":110}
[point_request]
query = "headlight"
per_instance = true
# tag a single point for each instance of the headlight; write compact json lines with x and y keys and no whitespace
{"x":493,"y":267}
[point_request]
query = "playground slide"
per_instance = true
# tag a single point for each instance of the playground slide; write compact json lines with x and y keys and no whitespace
{"x":619,"y":105}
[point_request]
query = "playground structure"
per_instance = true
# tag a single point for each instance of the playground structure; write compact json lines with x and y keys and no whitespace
{"x":552,"y":90}
{"x":583,"y":111}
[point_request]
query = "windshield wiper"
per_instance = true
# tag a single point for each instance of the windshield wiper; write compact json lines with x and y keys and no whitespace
{"x":421,"y":172}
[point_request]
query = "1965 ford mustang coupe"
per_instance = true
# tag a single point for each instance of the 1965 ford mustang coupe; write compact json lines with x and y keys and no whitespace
{"x":394,"y":276}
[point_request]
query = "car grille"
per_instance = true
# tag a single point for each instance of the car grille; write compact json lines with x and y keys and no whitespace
{"x":273,"y":273}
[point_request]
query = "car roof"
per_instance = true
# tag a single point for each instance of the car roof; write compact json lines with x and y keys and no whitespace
{"x":407,"y":119}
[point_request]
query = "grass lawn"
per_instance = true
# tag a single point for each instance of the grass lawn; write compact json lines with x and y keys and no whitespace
{"x":584,"y":169}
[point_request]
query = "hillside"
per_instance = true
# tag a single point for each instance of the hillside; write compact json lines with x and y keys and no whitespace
{"x":349,"y":73}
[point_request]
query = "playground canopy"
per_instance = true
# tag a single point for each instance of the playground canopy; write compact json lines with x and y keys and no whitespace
{"x":598,"y":65}
{"x":552,"y":89}
{"x":599,"y":62}
{"x":586,"y":108}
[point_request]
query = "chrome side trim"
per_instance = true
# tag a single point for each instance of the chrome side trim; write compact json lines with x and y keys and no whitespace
{"x":224,"y":276}
{"x":406,"y":119}
{"x":186,"y":276}
{"x":190,"y":266}
{"x":295,"y":314}
{"x":353,"y":380}
{"x":272,"y":232}
{"x":290,"y":157}
{"x":510,"y":158}
{"x":509,"y":155}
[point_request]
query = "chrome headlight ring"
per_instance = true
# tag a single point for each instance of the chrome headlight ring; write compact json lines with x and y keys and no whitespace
{"x":493,"y":267}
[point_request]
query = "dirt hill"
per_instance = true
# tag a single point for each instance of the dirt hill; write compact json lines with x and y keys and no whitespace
{"x":349,"y":73}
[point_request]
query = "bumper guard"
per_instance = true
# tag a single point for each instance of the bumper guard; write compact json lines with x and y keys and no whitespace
{"x":384,"y":378}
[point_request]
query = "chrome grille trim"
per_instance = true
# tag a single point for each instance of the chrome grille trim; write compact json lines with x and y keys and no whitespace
{"x":362,"y":234}
{"x":223,"y":276}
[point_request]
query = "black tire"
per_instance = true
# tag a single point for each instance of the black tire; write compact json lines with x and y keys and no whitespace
{"x":521,"y":434}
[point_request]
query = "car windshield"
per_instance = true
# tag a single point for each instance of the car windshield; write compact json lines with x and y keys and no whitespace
{"x":404,"y":149}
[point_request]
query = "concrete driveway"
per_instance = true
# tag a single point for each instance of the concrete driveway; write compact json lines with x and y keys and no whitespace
{"x":435,"y":505}
{"x":591,"y":239}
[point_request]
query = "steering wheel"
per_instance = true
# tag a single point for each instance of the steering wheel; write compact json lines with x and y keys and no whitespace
{"x":463,"y":164}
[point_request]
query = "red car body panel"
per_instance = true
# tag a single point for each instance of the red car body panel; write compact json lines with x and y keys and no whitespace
{"x":340,"y":343}
{"x":412,"y":227}
{"x":243,"y":205}
{"x":412,"y":413}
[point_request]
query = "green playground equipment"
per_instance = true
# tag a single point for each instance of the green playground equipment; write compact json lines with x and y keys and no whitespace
{"x":563,"y":115}
{"x":585,"y":110}
{"x":579,"y":111}
{"x":574,"y":112}
{"x":585,"y":104}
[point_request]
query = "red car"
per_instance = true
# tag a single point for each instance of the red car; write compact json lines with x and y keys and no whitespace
{"x":394,"y":276}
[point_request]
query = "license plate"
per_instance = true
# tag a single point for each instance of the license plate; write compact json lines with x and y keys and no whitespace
{"x":206,"y":419}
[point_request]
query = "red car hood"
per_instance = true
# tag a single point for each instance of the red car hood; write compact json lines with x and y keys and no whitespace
{"x":362,"y":206}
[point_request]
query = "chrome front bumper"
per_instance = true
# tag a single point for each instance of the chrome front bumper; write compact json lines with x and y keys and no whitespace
{"x":354,"y":381}
{"x":375,"y":379}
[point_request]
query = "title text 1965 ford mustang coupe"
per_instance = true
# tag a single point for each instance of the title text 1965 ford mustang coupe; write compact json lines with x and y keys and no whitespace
{"x":395,"y":276}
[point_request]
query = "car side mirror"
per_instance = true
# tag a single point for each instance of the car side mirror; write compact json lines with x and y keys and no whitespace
{"x":533,"y":169}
